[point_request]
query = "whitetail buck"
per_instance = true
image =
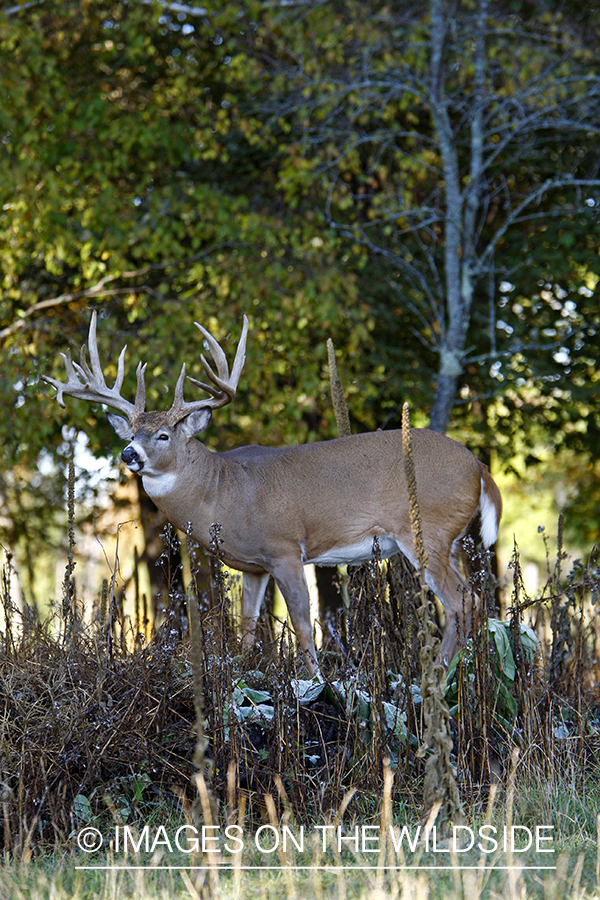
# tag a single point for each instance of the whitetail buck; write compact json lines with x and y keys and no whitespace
{"x":281,"y":508}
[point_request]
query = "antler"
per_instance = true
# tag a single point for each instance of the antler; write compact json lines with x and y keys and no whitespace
{"x":86,"y":381}
{"x":226,"y":384}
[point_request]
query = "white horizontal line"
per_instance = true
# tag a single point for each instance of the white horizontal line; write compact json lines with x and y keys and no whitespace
{"x":234,"y":868}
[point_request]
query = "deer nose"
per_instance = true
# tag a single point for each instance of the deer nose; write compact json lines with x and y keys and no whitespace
{"x":129,"y":456}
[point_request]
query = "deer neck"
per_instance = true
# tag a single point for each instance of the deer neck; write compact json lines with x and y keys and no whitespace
{"x":187,"y":492}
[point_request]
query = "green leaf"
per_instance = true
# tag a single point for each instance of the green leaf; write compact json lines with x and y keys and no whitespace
{"x":82,"y":808}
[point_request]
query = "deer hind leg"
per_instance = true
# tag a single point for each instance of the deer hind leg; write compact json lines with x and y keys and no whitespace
{"x":253,"y":593}
{"x":447,"y":582}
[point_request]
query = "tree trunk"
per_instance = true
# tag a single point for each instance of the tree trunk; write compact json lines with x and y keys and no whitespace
{"x":460,"y":209}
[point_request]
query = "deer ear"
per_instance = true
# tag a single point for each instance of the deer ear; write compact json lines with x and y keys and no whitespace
{"x":121,"y":426}
{"x":196,"y":422}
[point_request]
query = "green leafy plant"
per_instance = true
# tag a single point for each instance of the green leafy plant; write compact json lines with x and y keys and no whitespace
{"x":502,"y":670}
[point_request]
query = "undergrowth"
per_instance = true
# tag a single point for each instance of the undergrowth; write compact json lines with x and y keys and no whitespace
{"x":99,"y":724}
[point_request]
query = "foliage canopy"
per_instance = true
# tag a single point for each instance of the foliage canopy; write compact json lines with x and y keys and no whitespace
{"x":419,"y":183}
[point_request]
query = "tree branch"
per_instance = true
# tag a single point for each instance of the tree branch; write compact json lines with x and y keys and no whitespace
{"x":100,"y":289}
{"x":172,"y":7}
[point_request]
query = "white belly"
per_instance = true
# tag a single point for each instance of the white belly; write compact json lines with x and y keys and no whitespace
{"x":355,"y":554}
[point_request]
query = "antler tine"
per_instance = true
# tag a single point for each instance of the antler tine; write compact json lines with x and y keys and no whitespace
{"x":181,"y":408}
{"x":71,"y":376}
{"x":178,"y":401}
{"x":140,"y":389}
{"x":216,"y":351}
{"x":85,"y":381}
{"x":226,"y":384}
{"x":92,"y":347}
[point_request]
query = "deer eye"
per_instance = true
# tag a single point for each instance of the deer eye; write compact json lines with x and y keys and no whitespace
{"x":163,"y":437}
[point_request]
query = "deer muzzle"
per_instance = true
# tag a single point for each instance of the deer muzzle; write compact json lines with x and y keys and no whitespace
{"x":131,"y":459}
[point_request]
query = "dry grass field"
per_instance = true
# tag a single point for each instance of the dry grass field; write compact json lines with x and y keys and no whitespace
{"x":159,"y":765}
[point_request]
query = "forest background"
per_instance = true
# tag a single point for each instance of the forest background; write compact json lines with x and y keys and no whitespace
{"x":419,"y":182}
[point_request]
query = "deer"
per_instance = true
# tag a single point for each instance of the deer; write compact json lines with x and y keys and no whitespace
{"x":281,"y":508}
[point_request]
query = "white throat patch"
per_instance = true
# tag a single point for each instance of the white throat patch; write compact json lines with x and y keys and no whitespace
{"x":159,"y":485}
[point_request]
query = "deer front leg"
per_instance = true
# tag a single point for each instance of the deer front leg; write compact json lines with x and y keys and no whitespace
{"x":293,"y":586}
{"x":253,"y":592}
